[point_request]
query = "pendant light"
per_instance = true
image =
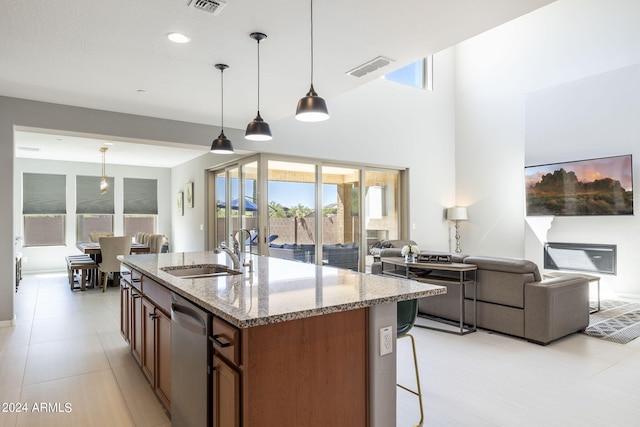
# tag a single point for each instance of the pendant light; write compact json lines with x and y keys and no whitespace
{"x":104,"y":183}
{"x":221,"y":145}
{"x":258,"y":129}
{"x":312,"y":108}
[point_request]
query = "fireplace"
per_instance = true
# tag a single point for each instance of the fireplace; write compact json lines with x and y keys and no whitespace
{"x":585,"y":257}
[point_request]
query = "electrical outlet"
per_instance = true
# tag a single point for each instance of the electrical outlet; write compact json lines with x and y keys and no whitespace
{"x":386,"y":340}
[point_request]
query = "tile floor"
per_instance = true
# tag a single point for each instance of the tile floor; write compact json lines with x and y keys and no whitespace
{"x":66,"y":348}
{"x":66,"y":352}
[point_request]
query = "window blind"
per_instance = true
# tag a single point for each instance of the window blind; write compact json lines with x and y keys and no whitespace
{"x":88,"y":197}
{"x":44,"y":194}
{"x":140,"y":196}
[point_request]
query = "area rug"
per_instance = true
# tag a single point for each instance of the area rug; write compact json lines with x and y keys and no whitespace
{"x":617,"y":321}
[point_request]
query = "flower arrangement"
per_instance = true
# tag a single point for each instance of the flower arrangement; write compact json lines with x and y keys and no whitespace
{"x":410,"y":250}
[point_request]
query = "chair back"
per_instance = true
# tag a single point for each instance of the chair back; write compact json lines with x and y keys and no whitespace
{"x":407,"y":313}
{"x":155,"y":243}
{"x":110,"y":248}
{"x":95,"y":236}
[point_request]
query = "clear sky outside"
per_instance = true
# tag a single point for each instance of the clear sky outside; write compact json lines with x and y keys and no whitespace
{"x":286,"y":193}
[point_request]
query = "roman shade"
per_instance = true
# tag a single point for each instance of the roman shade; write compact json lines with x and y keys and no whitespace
{"x":44,"y":194}
{"x":140,"y":196}
{"x":88,"y":197}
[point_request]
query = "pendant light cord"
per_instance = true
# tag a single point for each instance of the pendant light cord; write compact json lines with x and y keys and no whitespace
{"x":312,"y":42}
{"x":222,"y":99}
{"x":258,"y":40}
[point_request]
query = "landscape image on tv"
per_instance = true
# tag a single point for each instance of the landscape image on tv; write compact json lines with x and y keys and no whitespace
{"x":587,"y":187}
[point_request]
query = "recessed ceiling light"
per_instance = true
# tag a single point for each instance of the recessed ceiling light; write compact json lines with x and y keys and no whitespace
{"x":109,"y":143}
{"x":178,"y":38}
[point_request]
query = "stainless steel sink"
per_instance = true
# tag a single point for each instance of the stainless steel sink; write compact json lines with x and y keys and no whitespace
{"x":200,"y":270}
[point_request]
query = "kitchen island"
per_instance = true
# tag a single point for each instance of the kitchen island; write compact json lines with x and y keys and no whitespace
{"x":291,"y":343}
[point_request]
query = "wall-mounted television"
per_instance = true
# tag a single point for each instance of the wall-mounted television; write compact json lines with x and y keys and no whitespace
{"x":601,"y":186}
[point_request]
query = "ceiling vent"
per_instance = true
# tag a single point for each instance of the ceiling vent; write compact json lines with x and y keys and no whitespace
{"x":370,"y":66}
{"x":212,"y":6}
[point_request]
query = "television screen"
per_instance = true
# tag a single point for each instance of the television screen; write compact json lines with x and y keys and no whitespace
{"x":586,"y":187}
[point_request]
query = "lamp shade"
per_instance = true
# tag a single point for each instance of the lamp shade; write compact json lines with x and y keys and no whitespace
{"x":457,"y":213}
{"x":312,"y":108}
{"x":258,"y":130}
{"x":221,"y":145}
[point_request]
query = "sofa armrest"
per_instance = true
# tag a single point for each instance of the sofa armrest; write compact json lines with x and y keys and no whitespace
{"x":555,"y":308}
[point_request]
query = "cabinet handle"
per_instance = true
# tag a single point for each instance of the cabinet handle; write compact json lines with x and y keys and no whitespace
{"x":153,"y":316}
{"x":220,"y":343}
{"x":135,"y":296}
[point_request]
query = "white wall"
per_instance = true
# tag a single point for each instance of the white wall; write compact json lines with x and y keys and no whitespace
{"x":593,"y":117}
{"x":563,"y":42}
{"x":386,"y":123}
{"x":51,"y":258}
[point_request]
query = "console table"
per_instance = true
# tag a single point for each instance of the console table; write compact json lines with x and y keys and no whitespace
{"x":430,"y":272}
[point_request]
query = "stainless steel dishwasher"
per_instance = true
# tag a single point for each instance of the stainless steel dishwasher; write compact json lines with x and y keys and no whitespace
{"x":190,"y":390}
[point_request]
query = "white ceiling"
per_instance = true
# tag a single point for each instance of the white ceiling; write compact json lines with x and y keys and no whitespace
{"x":113,"y":55}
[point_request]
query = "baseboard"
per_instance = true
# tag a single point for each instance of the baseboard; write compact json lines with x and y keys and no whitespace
{"x":7,"y":323}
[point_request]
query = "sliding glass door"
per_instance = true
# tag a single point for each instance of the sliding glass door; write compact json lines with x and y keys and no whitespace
{"x":291,"y":191}
{"x":314,"y":212}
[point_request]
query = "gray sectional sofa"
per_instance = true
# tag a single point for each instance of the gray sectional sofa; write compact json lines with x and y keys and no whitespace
{"x":513,"y":298}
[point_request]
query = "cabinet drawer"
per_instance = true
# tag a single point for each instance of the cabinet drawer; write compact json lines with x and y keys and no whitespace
{"x":157,"y":293}
{"x":225,"y":340}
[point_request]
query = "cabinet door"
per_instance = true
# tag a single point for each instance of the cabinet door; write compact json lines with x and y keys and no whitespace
{"x":148,"y":340}
{"x":124,"y":310}
{"x":163,"y":359}
{"x":226,"y":394}
{"x":135,"y":318}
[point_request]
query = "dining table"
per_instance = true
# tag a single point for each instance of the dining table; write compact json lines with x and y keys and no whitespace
{"x":93,"y":248}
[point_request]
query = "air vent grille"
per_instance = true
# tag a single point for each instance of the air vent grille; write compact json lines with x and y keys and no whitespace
{"x":212,"y":6}
{"x":370,"y":66}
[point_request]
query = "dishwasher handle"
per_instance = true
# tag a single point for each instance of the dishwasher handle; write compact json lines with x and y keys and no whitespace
{"x":188,"y":318}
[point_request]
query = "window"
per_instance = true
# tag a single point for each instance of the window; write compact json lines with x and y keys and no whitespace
{"x":140,"y":205}
{"x":417,"y":74}
{"x":44,"y":208}
{"x":94,"y":211}
{"x":314,"y":212}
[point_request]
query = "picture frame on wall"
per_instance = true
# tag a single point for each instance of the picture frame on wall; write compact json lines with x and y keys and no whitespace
{"x":188,"y":189}
{"x":180,"y":201}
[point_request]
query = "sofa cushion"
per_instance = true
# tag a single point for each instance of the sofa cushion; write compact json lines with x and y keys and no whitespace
{"x":397,"y":243}
{"x":507,"y":265}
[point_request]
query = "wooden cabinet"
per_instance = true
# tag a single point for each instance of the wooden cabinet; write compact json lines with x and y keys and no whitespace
{"x":226,"y":394}
{"x":125,"y":295}
{"x":291,"y":373}
{"x":145,"y":322}
{"x":135,"y":324}
{"x":149,"y":340}
{"x":163,"y":358}
{"x":225,"y":408}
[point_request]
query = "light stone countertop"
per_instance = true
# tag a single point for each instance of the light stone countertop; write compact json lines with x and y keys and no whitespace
{"x":278,"y":289}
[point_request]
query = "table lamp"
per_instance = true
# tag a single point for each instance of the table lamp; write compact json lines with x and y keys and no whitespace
{"x":457,"y":214}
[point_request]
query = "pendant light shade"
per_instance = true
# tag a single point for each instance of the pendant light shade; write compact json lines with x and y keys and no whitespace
{"x":221,"y":145}
{"x":258,"y":129}
{"x":312,"y":108}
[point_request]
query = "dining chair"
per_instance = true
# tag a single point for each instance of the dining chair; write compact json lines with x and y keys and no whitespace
{"x":407,"y":313}
{"x":95,"y":236}
{"x":110,"y":248}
